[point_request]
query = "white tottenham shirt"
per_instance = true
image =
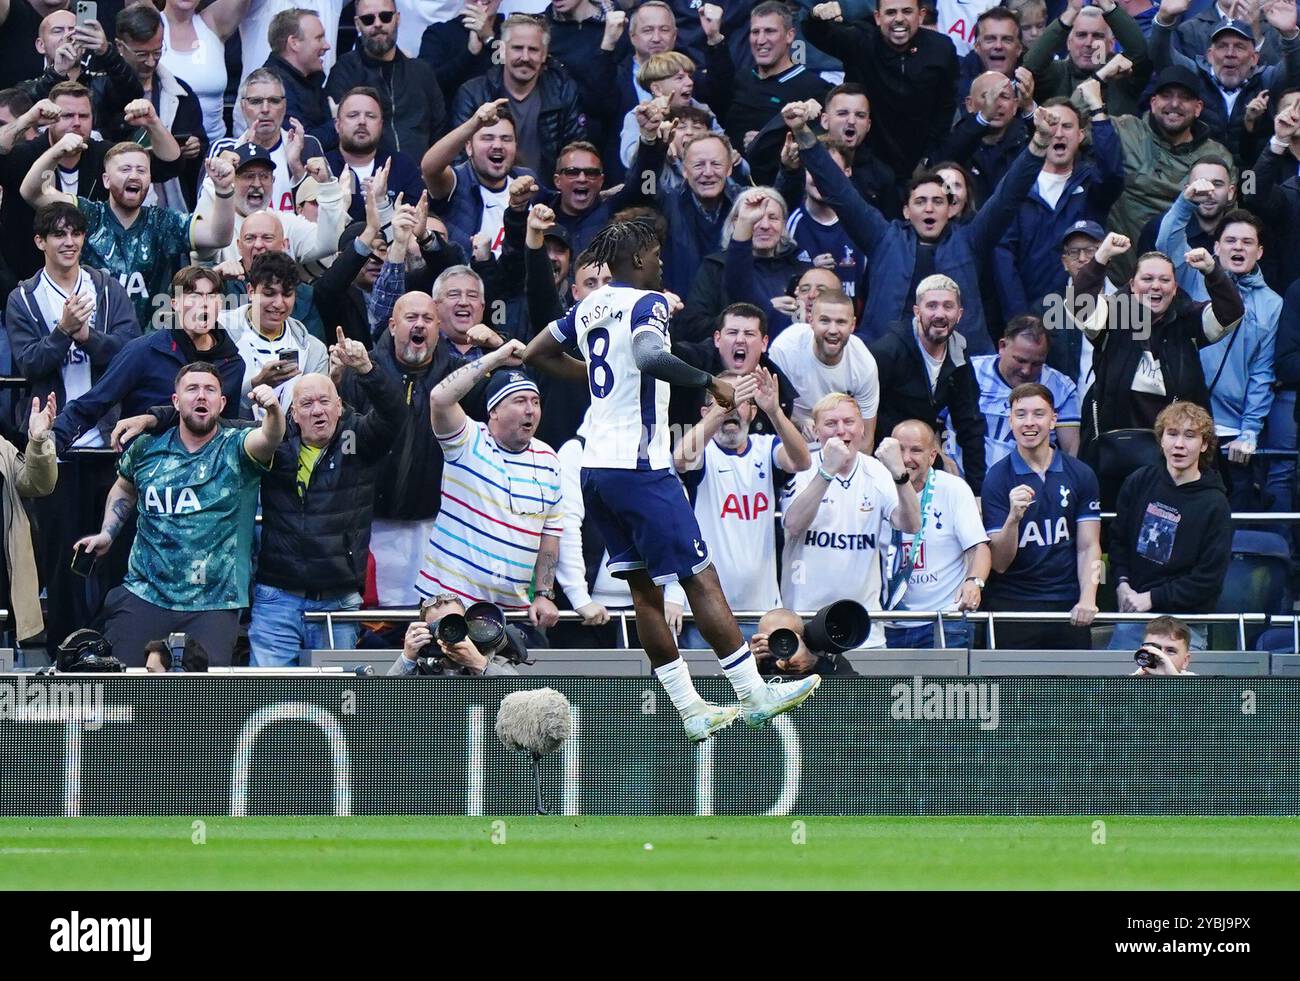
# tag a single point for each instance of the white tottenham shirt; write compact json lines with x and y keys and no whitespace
{"x":951,"y":524}
{"x":735,"y":503}
{"x":838,"y":557}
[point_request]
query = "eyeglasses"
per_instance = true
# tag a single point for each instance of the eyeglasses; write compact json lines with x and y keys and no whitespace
{"x":269,"y":100}
{"x":583,"y":171}
{"x":1084,"y":253}
{"x":368,"y":20}
{"x":147,"y":56}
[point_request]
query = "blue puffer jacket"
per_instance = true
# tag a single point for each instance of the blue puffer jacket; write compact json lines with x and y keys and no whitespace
{"x":1028,"y":259}
{"x":890,"y":246}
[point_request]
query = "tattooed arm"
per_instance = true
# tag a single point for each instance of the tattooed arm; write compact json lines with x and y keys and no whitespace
{"x":444,"y":400}
{"x":117,"y":512}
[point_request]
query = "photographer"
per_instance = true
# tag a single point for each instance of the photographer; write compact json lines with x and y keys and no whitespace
{"x":463,"y":658}
{"x":1166,"y":648}
{"x":774,"y":660}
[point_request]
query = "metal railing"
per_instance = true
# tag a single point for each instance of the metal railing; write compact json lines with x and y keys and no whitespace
{"x":939,"y":617}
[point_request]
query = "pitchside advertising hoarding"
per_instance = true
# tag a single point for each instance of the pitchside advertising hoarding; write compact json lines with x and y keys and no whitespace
{"x":88,"y":745}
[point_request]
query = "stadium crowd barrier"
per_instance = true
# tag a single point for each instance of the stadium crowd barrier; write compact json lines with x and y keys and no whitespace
{"x":318,"y":744}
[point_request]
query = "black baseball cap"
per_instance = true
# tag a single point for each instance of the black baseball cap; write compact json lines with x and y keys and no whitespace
{"x":252,"y":153}
{"x":1180,"y":76}
{"x":561,"y":235}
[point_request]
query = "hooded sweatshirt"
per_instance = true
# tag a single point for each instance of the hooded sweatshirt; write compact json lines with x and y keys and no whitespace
{"x":1172,"y":540}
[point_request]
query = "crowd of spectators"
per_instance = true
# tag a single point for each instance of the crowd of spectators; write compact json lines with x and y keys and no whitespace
{"x":978,"y":273}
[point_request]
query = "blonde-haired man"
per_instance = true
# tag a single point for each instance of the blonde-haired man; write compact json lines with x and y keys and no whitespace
{"x":840,"y":511}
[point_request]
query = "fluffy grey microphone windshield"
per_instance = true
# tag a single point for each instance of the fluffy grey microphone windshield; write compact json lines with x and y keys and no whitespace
{"x":536,"y":721}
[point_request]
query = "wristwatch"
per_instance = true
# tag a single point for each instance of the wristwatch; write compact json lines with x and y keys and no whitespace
{"x":900,"y":481}
{"x":976,"y":580}
{"x":545,"y":593}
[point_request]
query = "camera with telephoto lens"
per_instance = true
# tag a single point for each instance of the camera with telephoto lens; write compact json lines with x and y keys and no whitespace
{"x":1148,"y":659}
{"x":483,"y":624}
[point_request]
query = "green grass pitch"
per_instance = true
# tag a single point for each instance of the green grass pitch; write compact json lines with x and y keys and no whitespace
{"x":687,"y":853}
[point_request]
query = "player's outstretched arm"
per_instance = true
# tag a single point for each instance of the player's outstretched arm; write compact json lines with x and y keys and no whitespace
{"x":546,"y":354}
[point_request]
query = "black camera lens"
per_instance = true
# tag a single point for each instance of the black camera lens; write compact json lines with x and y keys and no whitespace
{"x":1147,"y":659}
{"x":453,"y":628}
{"x":783,"y":643}
{"x":839,"y":627}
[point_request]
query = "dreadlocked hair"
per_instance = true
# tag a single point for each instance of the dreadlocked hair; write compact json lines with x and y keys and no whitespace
{"x":619,"y":241}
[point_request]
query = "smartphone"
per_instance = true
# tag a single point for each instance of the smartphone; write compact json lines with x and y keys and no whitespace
{"x":288,"y":354}
{"x":86,"y":12}
{"x":84,"y":562}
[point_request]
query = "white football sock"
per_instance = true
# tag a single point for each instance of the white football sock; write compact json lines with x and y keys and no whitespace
{"x":741,"y":669}
{"x":676,"y":679}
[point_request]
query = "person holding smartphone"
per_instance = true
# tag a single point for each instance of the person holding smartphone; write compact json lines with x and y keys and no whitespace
{"x":276,"y":347}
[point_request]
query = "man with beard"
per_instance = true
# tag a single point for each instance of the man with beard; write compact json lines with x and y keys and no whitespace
{"x":1230,"y":72}
{"x":1088,"y":35}
{"x":925,"y":370}
{"x":473,"y":195}
{"x":735,"y":479}
{"x":408,"y":494}
{"x":140,"y":244}
{"x":824,"y":356}
{"x":298,"y":44}
{"x":262,"y":98}
{"x":78,"y":171}
{"x":739,"y":344}
{"x":908,"y":74}
{"x":194,"y":492}
{"x":1160,"y":150}
{"x":276,"y":348}
{"x":542,"y":101}
{"x":845,"y":123}
{"x":360,"y":125}
{"x":411,"y":100}
{"x":304,"y":239}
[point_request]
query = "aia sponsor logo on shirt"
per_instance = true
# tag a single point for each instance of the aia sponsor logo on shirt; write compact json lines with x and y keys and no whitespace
{"x":746,"y":507}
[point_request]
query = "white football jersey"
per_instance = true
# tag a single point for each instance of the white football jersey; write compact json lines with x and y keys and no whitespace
{"x":839,"y":556}
{"x":736,"y":497}
{"x":628,"y":419}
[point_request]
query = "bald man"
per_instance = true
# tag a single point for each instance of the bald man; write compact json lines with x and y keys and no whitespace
{"x":944,"y":565}
{"x":803,"y":661}
{"x":409,"y":490}
{"x":263,"y":231}
{"x":995,"y":127}
{"x":111,"y":80}
{"x":317,"y":508}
